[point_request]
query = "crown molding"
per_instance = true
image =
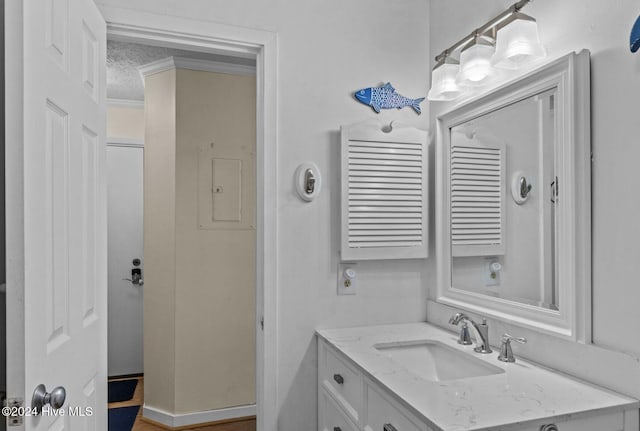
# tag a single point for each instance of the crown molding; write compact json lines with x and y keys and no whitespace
{"x":113,"y":141}
{"x":170,"y":63}
{"x":125,"y":103}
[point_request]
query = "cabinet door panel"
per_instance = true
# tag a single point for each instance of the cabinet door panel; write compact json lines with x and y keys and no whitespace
{"x":342,"y":381}
{"x":605,"y":422}
{"x":331,"y":417}
{"x":383,"y":415}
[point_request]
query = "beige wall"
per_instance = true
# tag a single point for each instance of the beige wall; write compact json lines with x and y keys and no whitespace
{"x":215,"y":283}
{"x":125,"y":122}
{"x":211,"y":275}
{"x":159,"y":241}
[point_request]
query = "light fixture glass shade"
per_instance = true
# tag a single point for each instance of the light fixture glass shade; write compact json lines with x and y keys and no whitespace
{"x":475,"y":63}
{"x":443,"y":81}
{"x":518,"y":43}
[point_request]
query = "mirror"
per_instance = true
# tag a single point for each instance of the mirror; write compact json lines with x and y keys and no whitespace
{"x":513,"y":226}
{"x":503,"y":199}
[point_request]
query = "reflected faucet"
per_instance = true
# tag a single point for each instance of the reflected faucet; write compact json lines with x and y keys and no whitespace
{"x":481,"y":332}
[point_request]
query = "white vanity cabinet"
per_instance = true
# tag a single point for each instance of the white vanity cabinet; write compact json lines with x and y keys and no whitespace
{"x":341,"y":381}
{"x":330,"y":416}
{"x":603,"y":422}
{"x":355,"y":377}
{"x":383,"y":414}
{"x":349,"y":401}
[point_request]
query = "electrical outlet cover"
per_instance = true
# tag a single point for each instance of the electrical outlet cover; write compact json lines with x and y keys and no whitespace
{"x":347,"y":278}
{"x":488,"y":280}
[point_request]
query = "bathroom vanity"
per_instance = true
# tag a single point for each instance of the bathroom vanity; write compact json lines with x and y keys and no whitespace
{"x":412,"y":377}
{"x":513,"y":175}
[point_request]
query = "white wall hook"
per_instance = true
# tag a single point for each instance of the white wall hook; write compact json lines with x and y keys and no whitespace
{"x":308,"y":181}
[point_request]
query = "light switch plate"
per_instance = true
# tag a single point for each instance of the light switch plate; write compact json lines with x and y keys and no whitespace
{"x":347,"y":278}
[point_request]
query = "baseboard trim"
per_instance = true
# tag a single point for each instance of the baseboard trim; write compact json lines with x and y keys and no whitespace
{"x":178,"y":420}
{"x":197,"y":426}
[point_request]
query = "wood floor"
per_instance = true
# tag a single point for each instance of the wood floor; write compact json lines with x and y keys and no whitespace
{"x":142,"y":425}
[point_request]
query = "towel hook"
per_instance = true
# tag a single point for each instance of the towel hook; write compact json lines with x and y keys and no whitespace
{"x":308,"y":181}
{"x":524,"y":188}
{"x":520,"y":188}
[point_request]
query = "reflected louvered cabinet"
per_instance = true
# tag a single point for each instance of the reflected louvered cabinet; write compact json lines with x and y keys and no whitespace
{"x":477,"y":198}
{"x":384,"y":202}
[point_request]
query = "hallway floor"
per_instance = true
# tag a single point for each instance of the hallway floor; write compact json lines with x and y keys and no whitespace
{"x":143,"y":425}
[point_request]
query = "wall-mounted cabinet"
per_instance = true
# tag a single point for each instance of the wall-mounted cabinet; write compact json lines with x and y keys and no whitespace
{"x":384,"y":202}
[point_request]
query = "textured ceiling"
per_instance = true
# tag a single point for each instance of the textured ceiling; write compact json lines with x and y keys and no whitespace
{"x":124,"y":58}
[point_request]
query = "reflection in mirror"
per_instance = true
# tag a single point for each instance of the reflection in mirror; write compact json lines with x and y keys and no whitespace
{"x":503,"y":195}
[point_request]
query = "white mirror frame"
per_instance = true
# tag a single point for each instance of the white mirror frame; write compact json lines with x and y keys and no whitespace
{"x":570,"y":76}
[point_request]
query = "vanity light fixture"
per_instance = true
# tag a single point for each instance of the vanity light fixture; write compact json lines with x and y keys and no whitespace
{"x":475,"y":62}
{"x":508,"y":41}
{"x":518,"y":42}
{"x":443,"y":79}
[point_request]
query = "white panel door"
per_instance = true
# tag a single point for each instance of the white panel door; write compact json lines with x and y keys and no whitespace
{"x":56,"y":276}
{"x":125,"y":227}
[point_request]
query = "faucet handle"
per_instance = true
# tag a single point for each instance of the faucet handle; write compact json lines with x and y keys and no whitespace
{"x":465,"y":337}
{"x":506,"y":353}
{"x":506,"y":338}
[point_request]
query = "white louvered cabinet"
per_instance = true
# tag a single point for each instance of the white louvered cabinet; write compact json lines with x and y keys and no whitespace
{"x":477,"y":198}
{"x":384,"y":202}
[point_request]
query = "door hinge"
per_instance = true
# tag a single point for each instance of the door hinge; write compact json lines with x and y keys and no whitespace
{"x":262,"y":323}
{"x":15,"y":406}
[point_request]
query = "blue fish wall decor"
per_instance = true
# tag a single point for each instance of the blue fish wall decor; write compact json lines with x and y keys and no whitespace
{"x":385,"y":97}
{"x":634,"y":39}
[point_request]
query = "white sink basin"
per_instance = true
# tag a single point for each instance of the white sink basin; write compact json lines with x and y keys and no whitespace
{"x":435,"y":361}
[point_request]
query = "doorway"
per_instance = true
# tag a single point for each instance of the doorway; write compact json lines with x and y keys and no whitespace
{"x":197,"y":274}
{"x":25,"y":372}
{"x":124,"y":256}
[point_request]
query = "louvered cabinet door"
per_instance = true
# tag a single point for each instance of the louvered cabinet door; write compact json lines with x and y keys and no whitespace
{"x":477,"y":198}
{"x":384,"y":192}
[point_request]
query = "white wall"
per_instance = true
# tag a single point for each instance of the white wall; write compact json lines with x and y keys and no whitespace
{"x":602,"y":27}
{"x":326,"y":50}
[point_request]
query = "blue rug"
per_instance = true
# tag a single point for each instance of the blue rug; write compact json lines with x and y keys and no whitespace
{"x":122,"y":390}
{"x":122,"y":418}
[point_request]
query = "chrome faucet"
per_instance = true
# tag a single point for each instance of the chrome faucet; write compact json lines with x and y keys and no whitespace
{"x":481,"y":332}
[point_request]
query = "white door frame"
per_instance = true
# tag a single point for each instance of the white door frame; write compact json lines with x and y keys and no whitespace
{"x":169,"y":31}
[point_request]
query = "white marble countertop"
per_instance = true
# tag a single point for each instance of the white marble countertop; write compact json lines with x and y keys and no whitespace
{"x":523,"y":393}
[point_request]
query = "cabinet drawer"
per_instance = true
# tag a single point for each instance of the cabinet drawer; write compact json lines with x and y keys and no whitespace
{"x":342,"y":381}
{"x":383,"y":414}
{"x":330,"y":417}
{"x":605,"y":422}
